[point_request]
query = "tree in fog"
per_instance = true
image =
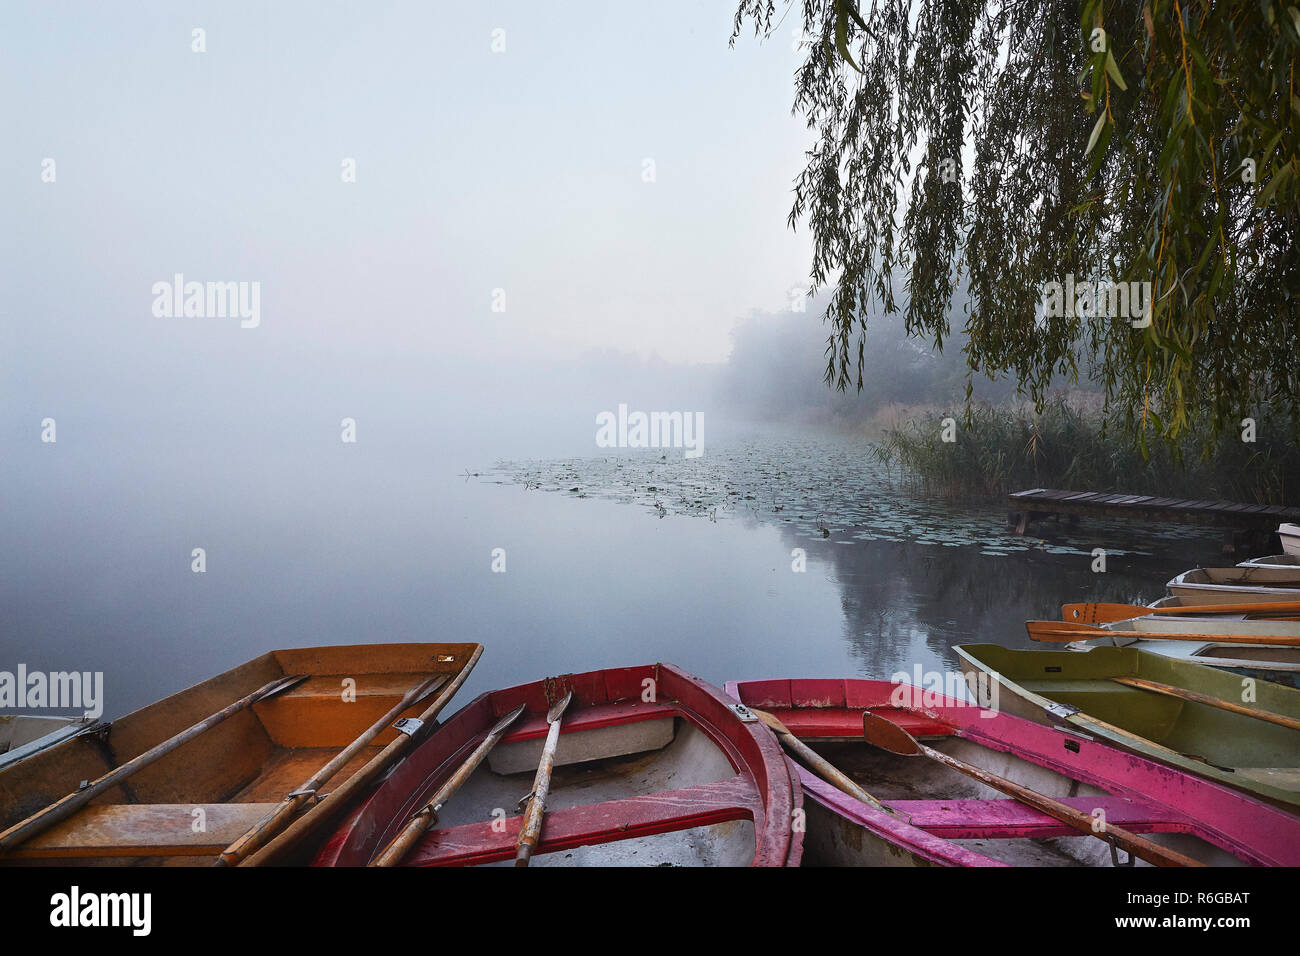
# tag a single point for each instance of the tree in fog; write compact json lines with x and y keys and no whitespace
{"x":1004,"y":147}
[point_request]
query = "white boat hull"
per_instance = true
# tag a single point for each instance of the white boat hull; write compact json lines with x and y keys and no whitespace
{"x":1273,"y":561}
{"x":1252,"y":584}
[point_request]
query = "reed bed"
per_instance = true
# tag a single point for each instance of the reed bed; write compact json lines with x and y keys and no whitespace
{"x":1001,"y":449}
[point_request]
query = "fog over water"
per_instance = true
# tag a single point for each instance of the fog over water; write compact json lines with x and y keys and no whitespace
{"x":522,"y":172}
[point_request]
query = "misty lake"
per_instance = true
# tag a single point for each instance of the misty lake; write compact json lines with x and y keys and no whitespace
{"x":609,"y":559}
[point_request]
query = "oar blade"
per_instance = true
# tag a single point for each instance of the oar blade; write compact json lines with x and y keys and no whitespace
{"x":772,"y":721}
{"x":288,"y":682}
{"x":428,"y":688}
{"x":1099,"y":613}
{"x":558,"y":708}
{"x":887,"y":735}
{"x":507,"y":720}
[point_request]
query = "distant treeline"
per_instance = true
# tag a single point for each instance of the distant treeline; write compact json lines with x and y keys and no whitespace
{"x":776,"y":370}
{"x":778,"y":362}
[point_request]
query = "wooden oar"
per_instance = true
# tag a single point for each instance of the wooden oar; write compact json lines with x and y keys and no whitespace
{"x":530,"y":832}
{"x":888,"y":736}
{"x":337,"y":799}
{"x":65,"y":807}
{"x":288,"y":807}
{"x":817,"y":763}
{"x":1100,"y":613}
{"x":1183,"y":694}
{"x":427,"y":816}
{"x":1062,"y":632}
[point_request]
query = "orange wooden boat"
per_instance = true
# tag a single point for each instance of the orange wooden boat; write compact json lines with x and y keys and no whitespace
{"x":241,"y":768}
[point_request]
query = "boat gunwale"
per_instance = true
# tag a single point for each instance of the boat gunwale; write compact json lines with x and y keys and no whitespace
{"x":1180,"y":585}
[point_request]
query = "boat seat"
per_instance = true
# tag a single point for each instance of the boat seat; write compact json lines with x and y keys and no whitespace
{"x":145,"y":829}
{"x":330,"y":686}
{"x":831,"y":708}
{"x":592,"y":733}
{"x":838,"y":723}
{"x":1010,"y":819}
{"x":314,"y":713}
{"x":592,"y":717}
{"x":1050,"y":687}
{"x":473,"y":844}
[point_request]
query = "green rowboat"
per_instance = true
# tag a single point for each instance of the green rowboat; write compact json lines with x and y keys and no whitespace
{"x":1082,"y":691}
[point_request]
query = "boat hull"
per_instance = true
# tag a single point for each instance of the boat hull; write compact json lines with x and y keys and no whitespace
{"x":1239,"y":585}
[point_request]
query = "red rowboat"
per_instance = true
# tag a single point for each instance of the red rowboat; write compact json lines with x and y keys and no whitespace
{"x":653,"y":767}
{"x":946,"y":818}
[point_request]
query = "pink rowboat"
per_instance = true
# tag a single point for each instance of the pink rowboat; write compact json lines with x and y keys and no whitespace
{"x":948,"y":819}
{"x":653,"y":767}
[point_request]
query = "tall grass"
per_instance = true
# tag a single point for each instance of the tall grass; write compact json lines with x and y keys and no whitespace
{"x":1004,"y":449}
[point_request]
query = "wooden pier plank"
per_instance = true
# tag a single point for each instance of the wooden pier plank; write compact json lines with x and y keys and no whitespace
{"x":1243,"y":516}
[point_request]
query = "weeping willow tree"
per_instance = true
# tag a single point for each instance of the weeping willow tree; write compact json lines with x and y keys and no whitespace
{"x":1020,"y":149}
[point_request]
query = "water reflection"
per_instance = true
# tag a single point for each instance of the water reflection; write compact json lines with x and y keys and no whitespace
{"x":628,"y":561}
{"x":915,"y":575}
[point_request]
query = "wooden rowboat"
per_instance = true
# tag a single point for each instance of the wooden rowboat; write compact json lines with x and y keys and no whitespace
{"x":1194,"y":719}
{"x":653,"y":767}
{"x":940,"y":817}
{"x":1239,"y":585}
{"x":1279,"y":663}
{"x":184,"y":779}
{"x":1290,"y":535}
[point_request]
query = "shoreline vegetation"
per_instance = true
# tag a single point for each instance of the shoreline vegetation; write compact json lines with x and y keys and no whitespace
{"x":776,"y":369}
{"x":1004,"y":448}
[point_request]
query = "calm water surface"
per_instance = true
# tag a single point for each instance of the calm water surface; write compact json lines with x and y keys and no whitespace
{"x":609,"y":560}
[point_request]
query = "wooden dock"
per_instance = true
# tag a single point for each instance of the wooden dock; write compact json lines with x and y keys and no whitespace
{"x":1255,"y":520}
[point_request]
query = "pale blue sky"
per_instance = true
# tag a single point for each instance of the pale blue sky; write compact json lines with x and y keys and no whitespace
{"x":476,"y":170}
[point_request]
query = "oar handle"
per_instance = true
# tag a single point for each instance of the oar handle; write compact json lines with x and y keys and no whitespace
{"x":402,"y":843}
{"x":530,"y":832}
